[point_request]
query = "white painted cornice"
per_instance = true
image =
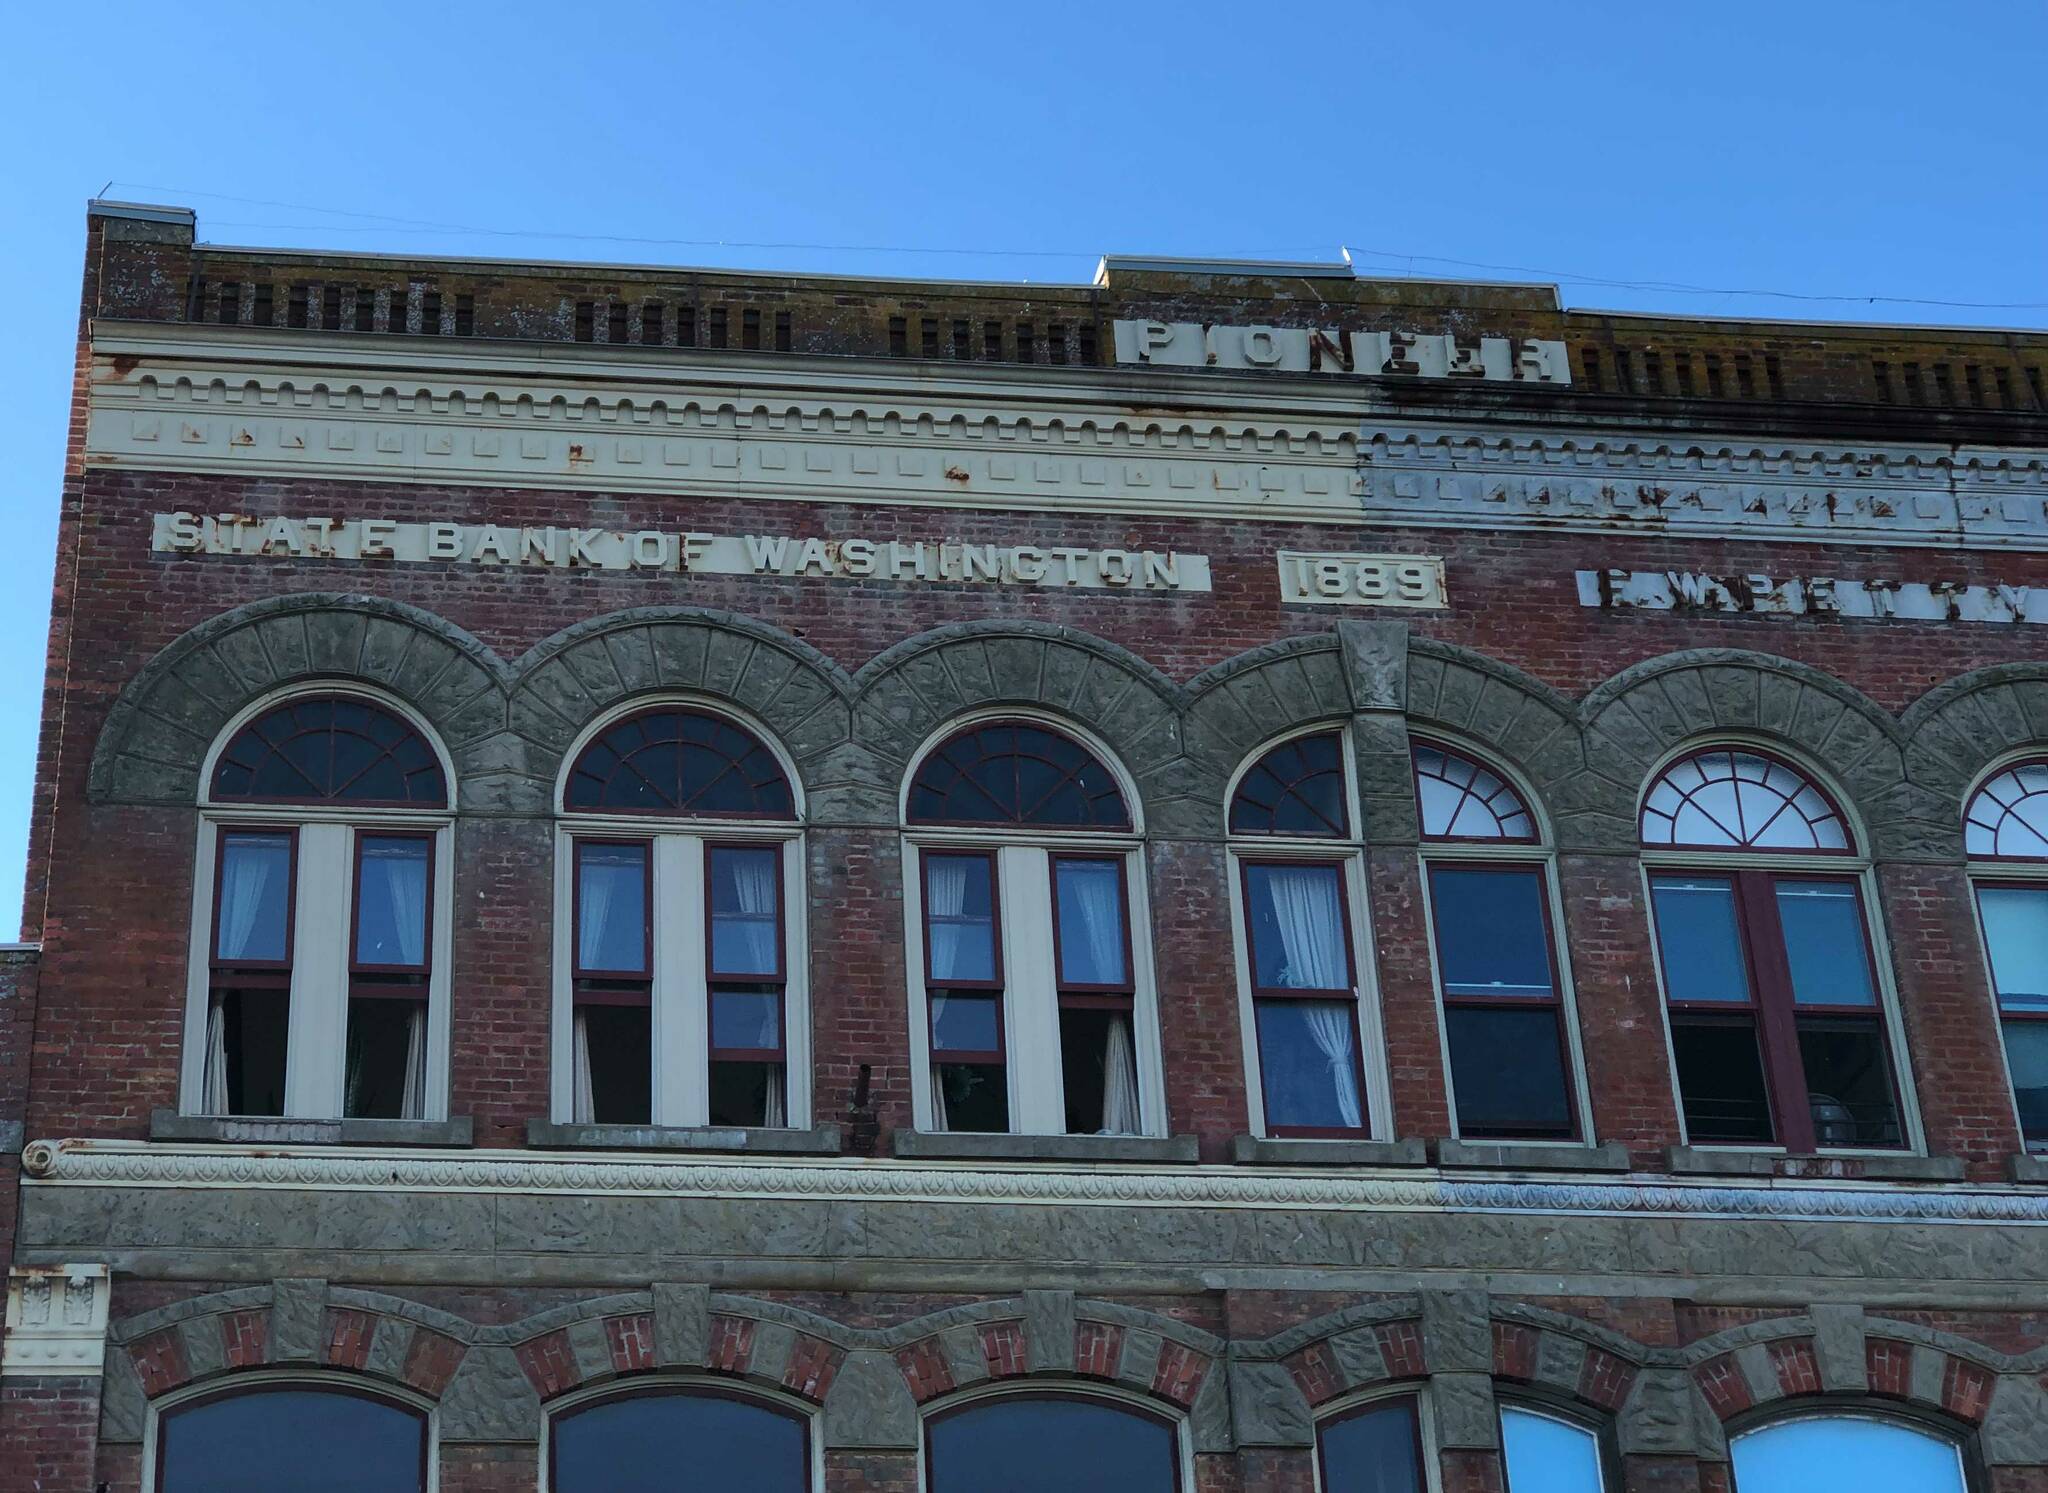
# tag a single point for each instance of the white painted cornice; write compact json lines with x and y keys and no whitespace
{"x":97,"y":1163}
{"x":699,"y":425}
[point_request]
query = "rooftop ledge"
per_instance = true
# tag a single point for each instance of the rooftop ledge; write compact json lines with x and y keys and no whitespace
{"x":388,"y":1168}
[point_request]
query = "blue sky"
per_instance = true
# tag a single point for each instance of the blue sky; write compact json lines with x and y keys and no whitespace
{"x":1645,"y":157}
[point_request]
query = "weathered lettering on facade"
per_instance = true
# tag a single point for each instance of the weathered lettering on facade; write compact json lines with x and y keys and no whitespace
{"x":1193,"y":344}
{"x":1871,"y":598}
{"x":568,"y":547}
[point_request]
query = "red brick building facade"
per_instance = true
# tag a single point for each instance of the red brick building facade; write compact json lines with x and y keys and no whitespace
{"x":1263,"y":879}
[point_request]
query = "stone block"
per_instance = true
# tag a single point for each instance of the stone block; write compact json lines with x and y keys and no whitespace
{"x":1267,"y":1407}
{"x":297,"y":1314}
{"x":1049,"y":1331}
{"x":869,"y":1406}
{"x":1838,"y":1341}
{"x":490,"y":1399}
{"x":682,"y":1325}
{"x":1465,"y":1414}
{"x":1457,"y":1332}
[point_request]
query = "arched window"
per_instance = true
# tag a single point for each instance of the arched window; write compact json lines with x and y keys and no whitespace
{"x":680,"y":885}
{"x":1375,"y":1447}
{"x":1016,"y":773}
{"x":1035,"y":990}
{"x":1845,"y":1454}
{"x":2005,"y":834}
{"x":1777,"y":1010}
{"x":675,"y":1439}
{"x":310,"y":1438}
{"x":1505,"y":1022}
{"x":323,"y":915}
{"x":1298,"y":879}
{"x":1050,"y":1444}
{"x":1545,"y":1453}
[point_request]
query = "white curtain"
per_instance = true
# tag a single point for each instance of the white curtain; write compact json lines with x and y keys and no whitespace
{"x":753,"y":930}
{"x":939,"y":1121}
{"x":1310,"y":918}
{"x":945,"y":895}
{"x":1093,"y":888}
{"x":213,"y":1084}
{"x":583,"y":1107}
{"x":1119,"y":1081}
{"x":248,"y":867}
{"x":608,"y":888}
{"x":412,"y":1104}
{"x":403,"y":867}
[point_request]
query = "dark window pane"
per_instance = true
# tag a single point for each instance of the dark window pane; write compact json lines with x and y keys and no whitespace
{"x":1508,"y":1066}
{"x":309,"y":1441}
{"x":385,"y":1073}
{"x":253,"y":1036}
{"x":1295,"y":789}
{"x":1012,"y":773}
{"x":391,"y":901}
{"x":2016,"y":936}
{"x":1848,"y":1081}
{"x":621,"y":1041}
{"x":966,"y":1023}
{"x":676,"y":761}
{"x":1491,"y":935}
{"x":1376,"y":1450}
{"x":330,"y":749}
{"x":611,"y":908}
{"x":959,"y":911}
{"x":678,"y":1443}
{"x":1099,"y":1071}
{"x":255,"y":898}
{"x":1823,"y":925}
{"x":1297,"y":927}
{"x":746,"y":1019}
{"x":1091,"y":922}
{"x":748,"y":1094}
{"x":1308,"y":1064}
{"x":1697,"y":934}
{"x":2026,"y":1053}
{"x":971,"y":1096}
{"x":1721,"y":1082}
{"x":746,"y":901}
{"x":1050,"y":1446}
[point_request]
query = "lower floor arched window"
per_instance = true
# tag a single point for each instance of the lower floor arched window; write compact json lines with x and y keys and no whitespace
{"x":1547,"y":1453}
{"x":1050,"y":1444}
{"x":1845,"y":1454}
{"x":310,"y":1438}
{"x":1374,"y":1448}
{"x":678,"y":1440}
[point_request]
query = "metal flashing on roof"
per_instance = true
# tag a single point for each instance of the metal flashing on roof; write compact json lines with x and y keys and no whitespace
{"x":1250,"y":268}
{"x":144,"y":212}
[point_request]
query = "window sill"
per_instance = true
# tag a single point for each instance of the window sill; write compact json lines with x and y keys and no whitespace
{"x":1700,"y":1161}
{"x":1258,"y":1150}
{"x":819,"y":1140}
{"x":1511,"y":1156}
{"x":2030,"y":1166}
{"x":947,"y":1145}
{"x":169,"y":1125}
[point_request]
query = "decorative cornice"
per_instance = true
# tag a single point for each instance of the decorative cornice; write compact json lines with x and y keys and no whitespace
{"x":703,"y":428}
{"x":134,"y":1164}
{"x":1713,"y":487}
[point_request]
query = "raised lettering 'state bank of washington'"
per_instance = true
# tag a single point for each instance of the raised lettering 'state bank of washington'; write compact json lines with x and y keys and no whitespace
{"x":1233,"y":880}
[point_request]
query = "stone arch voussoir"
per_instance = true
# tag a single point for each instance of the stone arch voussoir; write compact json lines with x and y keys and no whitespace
{"x":913,"y":689}
{"x":1515,"y":718}
{"x":156,"y":737}
{"x":803,"y":698}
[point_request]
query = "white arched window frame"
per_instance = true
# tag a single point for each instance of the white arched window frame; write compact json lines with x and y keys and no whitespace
{"x":1020,"y":882}
{"x":322,"y":850}
{"x":2005,"y":836}
{"x":683,"y":1385}
{"x":1718,"y":914}
{"x":260,"y":1382}
{"x":1335,"y":850}
{"x":674,"y":856}
{"x":1837,"y":1451}
{"x":1489,"y":869}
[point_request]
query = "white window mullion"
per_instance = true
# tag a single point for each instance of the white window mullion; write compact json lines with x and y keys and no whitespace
{"x":796,"y":1005}
{"x":681,"y":1038}
{"x":317,"y":1047}
{"x":1031,"y":1012}
{"x":440,"y":973}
